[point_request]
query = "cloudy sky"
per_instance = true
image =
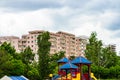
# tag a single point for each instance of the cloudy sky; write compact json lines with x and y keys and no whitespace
{"x":80,"y":17}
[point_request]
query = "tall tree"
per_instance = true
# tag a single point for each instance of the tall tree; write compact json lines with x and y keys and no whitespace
{"x":99,"y":55}
{"x":27,"y":55}
{"x":53,"y":61}
{"x":93,"y":49}
{"x":43,"y":52}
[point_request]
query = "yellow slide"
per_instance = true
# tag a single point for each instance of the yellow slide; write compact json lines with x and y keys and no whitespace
{"x":93,"y":77}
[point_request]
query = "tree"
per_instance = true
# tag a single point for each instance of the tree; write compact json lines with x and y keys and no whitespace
{"x":33,"y":73}
{"x":101,"y":57}
{"x":4,"y":57}
{"x":93,"y":49}
{"x":43,"y":52}
{"x":108,"y":58}
{"x":27,"y":55}
{"x":14,"y":67}
{"x":27,"y":58}
{"x":9,"y":65}
{"x":8,"y":48}
{"x":53,"y":61}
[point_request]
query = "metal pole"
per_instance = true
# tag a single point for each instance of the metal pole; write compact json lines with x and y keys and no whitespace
{"x":66,"y":74}
{"x":89,"y":72}
{"x":80,"y":72}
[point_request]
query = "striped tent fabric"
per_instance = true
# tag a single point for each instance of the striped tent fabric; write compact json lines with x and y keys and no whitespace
{"x":17,"y":78}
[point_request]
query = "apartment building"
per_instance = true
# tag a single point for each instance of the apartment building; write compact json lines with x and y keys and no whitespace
{"x":67,"y":43}
{"x":112,"y":47}
{"x":11,"y":39}
{"x":60,"y":41}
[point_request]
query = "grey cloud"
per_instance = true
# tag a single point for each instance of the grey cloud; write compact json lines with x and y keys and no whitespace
{"x":116,"y":34}
{"x":114,"y":25}
{"x":76,"y":4}
{"x":29,"y":4}
{"x":103,"y":5}
{"x":86,"y":5}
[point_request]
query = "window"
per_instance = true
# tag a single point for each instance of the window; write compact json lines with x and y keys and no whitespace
{"x":31,"y":37}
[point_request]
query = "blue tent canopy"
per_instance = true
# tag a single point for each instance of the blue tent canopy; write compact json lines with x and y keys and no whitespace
{"x":17,"y":78}
{"x":80,"y":60}
{"x":65,"y":60}
{"x":68,"y":66}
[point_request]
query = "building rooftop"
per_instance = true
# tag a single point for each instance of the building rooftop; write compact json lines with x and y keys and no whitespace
{"x":36,"y":31}
{"x":61,"y":32}
{"x":9,"y":37}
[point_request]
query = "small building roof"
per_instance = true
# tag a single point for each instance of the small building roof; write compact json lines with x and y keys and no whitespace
{"x":80,"y":60}
{"x":68,"y":66}
{"x":63,"y":60}
{"x":5,"y":78}
{"x":13,"y":78}
{"x":17,"y":78}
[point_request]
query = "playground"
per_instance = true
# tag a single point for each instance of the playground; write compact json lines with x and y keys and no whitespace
{"x":72,"y":69}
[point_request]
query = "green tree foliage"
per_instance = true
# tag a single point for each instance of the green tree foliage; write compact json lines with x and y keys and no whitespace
{"x":118,"y":61}
{"x":43,"y":52}
{"x":108,"y":58}
{"x":27,"y":58}
{"x":12,"y":63}
{"x":53,"y":66}
{"x":33,"y":73}
{"x":8,"y":48}
{"x":9,"y":65}
{"x":27,"y":55}
{"x":14,"y":67}
{"x":93,"y":49}
{"x":103,"y":58}
{"x":99,"y":55}
{"x":4,"y":57}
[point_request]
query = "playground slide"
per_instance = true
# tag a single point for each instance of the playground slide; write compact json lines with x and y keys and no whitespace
{"x":93,"y":77}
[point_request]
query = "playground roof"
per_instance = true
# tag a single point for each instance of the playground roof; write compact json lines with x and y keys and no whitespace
{"x":13,"y":78}
{"x":80,"y":60}
{"x":63,"y":60}
{"x":17,"y":78}
{"x":68,"y":66}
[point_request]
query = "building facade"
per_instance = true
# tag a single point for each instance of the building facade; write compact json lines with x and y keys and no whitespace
{"x":11,"y":39}
{"x":112,"y":47}
{"x":60,"y":41}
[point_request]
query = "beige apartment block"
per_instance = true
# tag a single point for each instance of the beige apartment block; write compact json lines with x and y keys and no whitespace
{"x":60,"y":41}
{"x":11,"y":39}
